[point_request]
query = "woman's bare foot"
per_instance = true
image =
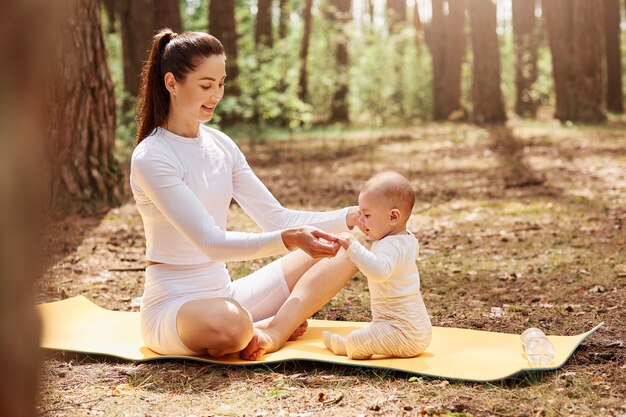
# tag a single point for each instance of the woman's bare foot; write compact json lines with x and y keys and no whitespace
{"x":299,"y":331}
{"x":260,"y":344}
{"x":263,"y":324}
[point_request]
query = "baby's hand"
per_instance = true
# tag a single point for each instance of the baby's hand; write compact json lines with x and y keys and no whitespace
{"x":345,"y":240}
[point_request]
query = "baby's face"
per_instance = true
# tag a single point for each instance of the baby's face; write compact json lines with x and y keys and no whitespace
{"x":375,"y":215}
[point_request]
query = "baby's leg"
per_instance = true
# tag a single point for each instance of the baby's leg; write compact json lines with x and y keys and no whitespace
{"x":379,"y":338}
{"x":335,"y":343}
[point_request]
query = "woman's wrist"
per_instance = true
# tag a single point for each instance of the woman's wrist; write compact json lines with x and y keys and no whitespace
{"x":289,"y":237}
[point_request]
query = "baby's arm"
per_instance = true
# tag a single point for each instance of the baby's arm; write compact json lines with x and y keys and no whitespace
{"x":377,"y":266}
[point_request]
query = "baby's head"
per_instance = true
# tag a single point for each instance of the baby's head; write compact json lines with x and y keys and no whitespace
{"x":385,"y":203}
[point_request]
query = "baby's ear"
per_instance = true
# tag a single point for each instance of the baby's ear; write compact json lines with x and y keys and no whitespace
{"x":395,"y":216}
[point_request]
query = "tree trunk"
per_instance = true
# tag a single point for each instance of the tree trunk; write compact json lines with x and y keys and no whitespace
{"x":263,"y":32}
{"x":488,"y":105}
{"x":526,"y":34}
{"x":396,"y":13}
{"x":304,"y":50}
{"x":140,"y":20}
{"x":372,"y":11}
{"x":167,"y":15}
{"x":283,"y":21}
{"x":223,"y":26}
{"x":137,"y":32}
{"x":27,"y":47}
{"x":417,"y":23}
{"x":445,"y":37}
{"x":614,"y":94}
{"x":576,"y":35}
{"x":84,"y":173}
{"x":340,"y":12}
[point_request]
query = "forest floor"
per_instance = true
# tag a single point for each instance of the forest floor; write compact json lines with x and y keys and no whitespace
{"x":519,"y":226}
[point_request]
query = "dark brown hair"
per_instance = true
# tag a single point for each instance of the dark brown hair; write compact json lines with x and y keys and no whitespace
{"x":170,"y":52}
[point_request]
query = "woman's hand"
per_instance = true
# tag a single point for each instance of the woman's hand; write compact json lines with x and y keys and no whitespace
{"x":315,"y":242}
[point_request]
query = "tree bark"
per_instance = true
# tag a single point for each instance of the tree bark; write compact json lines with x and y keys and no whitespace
{"x":140,"y":20}
{"x":26,"y":52}
{"x":526,"y":34}
{"x":84,"y":174}
{"x":575,"y":35}
{"x":417,"y":23}
{"x":283,"y":21}
{"x":445,"y":37}
{"x":614,"y":93}
{"x":137,"y":32}
{"x":167,"y":15}
{"x":304,"y":50}
{"x":339,"y":13}
{"x":222,"y":25}
{"x":263,"y":30}
{"x":396,"y":13}
{"x":487,"y":101}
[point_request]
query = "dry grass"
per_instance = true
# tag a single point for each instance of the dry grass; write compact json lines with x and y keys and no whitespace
{"x":528,"y":218}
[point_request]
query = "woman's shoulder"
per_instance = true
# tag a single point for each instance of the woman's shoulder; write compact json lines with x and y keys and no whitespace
{"x":217,"y":135}
{"x":151,"y":147}
{"x":222,"y":140}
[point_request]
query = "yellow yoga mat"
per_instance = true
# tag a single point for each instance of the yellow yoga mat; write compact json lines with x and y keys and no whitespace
{"x":78,"y":325}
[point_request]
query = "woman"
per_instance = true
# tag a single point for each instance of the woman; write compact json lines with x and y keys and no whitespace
{"x":183,"y":177}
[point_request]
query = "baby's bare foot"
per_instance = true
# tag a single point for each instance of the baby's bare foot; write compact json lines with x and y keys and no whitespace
{"x":260,"y":344}
{"x":299,"y":331}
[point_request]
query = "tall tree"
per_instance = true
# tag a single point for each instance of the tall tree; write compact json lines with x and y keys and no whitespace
{"x":84,"y":175}
{"x":283,"y":20}
{"x":526,"y":32}
{"x":487,"y":101}
{"x":614,"y":94}
{"x":263,"y":30}
{"x":445,"y":36}
{"x":396,"y":12}
{"x":417,"y":22}
{"x":339,"y":13}
{"x":26,"y":55}
{"x":223,"y":26}
{"x":576,"y":37}
{"x":166,"y":14}
{"x":140,"y":20}
{"x":304,"y":50}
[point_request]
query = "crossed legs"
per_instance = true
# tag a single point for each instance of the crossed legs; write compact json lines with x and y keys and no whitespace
{"x":222,"y":326}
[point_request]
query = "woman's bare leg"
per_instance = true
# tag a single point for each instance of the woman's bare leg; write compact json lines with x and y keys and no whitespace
{"x":312,"y":283}
{"x":218,"y":325}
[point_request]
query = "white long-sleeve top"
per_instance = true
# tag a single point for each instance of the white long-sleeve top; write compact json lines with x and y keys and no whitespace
{"x":183,"y":188}
{"x":389,"y":266}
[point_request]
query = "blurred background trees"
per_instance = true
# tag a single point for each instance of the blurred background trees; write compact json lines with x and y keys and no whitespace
{"x":294,"y":63}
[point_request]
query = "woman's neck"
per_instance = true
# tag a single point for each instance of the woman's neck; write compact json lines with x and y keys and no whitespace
{"x":182,"y":126}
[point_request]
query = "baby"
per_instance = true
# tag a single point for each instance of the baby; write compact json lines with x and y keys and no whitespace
{"x":400,"y":324}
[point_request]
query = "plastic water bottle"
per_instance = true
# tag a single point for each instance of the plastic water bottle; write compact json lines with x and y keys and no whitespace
{"x":539,"y":351}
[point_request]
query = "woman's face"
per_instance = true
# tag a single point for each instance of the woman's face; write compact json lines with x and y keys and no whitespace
{"x":197,"y":96}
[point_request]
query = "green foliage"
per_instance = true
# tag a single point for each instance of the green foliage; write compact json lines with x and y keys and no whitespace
{"x":398,"y":90}
{"x":389,"y":75}
{"x":195,"y":15}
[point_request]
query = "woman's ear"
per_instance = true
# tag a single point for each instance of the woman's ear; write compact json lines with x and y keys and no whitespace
{"x":394,"y":216}
{"x":170,"y":83}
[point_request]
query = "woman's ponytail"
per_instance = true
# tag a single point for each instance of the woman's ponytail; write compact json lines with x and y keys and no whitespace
{"x":153,"y":100}
{"x":170,"y":52}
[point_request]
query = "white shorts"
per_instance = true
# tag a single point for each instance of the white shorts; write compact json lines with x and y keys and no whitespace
{"x":168,"y":287}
